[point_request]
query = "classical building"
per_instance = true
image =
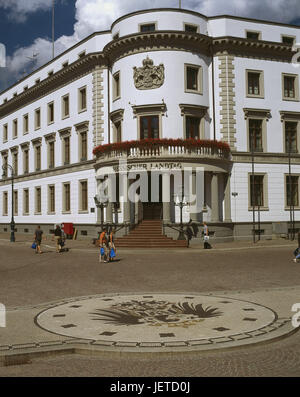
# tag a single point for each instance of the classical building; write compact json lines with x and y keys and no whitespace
{"x":164,"y":89}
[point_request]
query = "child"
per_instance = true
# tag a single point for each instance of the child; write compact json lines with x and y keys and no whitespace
{"x":297,"y":254}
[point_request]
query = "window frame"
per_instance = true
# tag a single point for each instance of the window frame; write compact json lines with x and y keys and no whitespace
{"x":25,"y":124}
{"x":26,"y":201}
{"x":289,"y":37}
{"x":5,"y":203}
{"x":199,"y":89}
{"x":147,"y":24}
{"x":116,"y":86}
{"x":296,"y":87}
{"x":265,"y":206}
{"x":82,"y":210}
{"x":63,"y":107}
{"x":5,"y":133}
{"x":15,"y":129}
{"x":253,"y":31}
{"x":80,"y":107}
{"x":192,"y":25}
{"x":37,"y":117}
{"x":64,"y":198}
{"x":49,"y":113}
{"x":51,"y":211}
{"x":286,"y":206}
{"x":261,"y":94}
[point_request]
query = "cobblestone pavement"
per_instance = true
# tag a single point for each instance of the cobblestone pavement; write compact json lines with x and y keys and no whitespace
{"x":26,"y":279}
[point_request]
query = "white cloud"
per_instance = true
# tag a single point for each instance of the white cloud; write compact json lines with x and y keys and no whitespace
{"x":18,"y":10}
{"x":97,"y":15}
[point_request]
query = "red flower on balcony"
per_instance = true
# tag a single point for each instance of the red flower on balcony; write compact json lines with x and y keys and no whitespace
{"x":166,"y":142}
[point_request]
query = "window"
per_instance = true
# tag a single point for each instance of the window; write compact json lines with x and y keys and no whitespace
{"x":26,"y":161}
{"x":37,"y":157}
{"x":192,"y":127}
{"x":257,"y":190}
{"x":290,"y":40}
{"x":65,"y":106}
{"x":190,"y":28}
{"x":66,"y":197}
{"x":25,"y":124}
{"x":50,"y":73}
{"x":116,"y":86}
{"x":148,"y":27}
{"x":255,"y":83}
{"x":15,"y":202}
{"x":292,"y":190}
{"x":83,"y":146}
{"x":82,"y":54}
{"x":66,"y":150}
{"x":290,"y":87}
{"x":51,"y":154}
{"x":65,"y":64}
{"x":37,"y":119}
{"x":15,"y":162}
{"x":193,"y":79}
{"x":15,"y":128}
{"x":253,"y":35}
{"x":5,"y":204}
{"x":4,"y":165}
{"x":118,"y":131}
{"x":25,"y":201}
{"x":82,"y":99}
{"x":291,"y":144}
{"x":255,"y":135}
{"x":25,"y":88}
{"x":37,"y":81}
{"x":15,"y":94}
{"x":5,"y":133}
{"x":4,"y":100}
{"x":149,"y":127}
{"x":38,"y":200}
{"x":83,"y":200}
{"x":51,"y":113}
{"x":51,"y":199}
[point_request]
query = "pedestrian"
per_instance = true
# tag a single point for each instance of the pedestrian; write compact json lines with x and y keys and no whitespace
{"x":57,"y":237}
{"x":38,"y":236}
{"x":297,"y":254}
{"x":103,"y":244}
{"x":111,"y":244}
{"x":206,"y":236}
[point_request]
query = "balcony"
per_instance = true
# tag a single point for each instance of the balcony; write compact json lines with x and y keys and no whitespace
{"x":163,"y":149}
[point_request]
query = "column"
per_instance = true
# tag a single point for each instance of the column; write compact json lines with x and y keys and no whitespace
{"x":227,"y":198}
{"x":214,"y":198}
{"x":166,"y":197}
{"x":126,"y":203}
{"x":193,"y":213}
{"x":109,"y":212}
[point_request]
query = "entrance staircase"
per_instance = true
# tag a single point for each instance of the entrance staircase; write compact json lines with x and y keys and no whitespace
{"x":148,"y":234}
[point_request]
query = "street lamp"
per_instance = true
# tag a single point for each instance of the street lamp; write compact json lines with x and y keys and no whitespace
{"x":100,"y":204}
{"x":12,"y":223}
{"x":180,"y":201}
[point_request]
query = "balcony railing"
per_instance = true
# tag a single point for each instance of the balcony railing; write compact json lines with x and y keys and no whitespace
{"x":163,"y":148}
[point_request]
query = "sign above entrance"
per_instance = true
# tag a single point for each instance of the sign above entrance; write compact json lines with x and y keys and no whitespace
{"x":148,"y":167}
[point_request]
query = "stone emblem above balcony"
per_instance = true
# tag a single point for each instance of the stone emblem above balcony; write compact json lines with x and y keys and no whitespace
{"x":149,"y":76}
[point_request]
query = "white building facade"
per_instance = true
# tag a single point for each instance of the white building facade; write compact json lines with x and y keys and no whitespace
{"x":226,"y":88}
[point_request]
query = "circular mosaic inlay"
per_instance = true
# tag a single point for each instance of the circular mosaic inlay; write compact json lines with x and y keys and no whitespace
{"x":156,"y":318}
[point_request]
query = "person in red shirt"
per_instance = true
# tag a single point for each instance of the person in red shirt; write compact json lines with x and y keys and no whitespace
{"x":103,"y":244}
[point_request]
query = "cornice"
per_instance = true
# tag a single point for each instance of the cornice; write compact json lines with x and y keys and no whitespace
{"x":62,"y":77}
{"x":267,"y":50}
{"x":158,"y":40}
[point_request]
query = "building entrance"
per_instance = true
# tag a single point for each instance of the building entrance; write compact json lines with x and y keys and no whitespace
{"x":152,"y":211}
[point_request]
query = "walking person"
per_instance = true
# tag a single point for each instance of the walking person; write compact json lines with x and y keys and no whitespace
{"x":111,"y":244}
{"x":38,"y":236}
{"x":297,"y":255}
{"x":57,"y":237}
{"x":103,"y":244}
{"x":206,"y":236}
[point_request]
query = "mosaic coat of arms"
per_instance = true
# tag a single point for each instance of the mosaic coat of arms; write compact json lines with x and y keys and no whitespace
{"x":148,"y":76}
{"x":155,"y":313}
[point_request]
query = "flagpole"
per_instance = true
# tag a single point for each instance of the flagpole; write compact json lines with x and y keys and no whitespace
{"x":179,"y":3}
{"x":53,"y":38}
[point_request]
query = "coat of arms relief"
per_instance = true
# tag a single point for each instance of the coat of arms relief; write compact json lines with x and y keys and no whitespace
{"x":148,"y":76}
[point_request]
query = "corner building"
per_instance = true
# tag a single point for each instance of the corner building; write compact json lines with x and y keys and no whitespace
{"x":226,"y":83}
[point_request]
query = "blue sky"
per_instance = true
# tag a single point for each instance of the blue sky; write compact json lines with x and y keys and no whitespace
{"x":25,"y":25}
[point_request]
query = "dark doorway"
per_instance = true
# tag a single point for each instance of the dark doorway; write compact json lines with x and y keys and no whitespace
{"x":152,"y":210}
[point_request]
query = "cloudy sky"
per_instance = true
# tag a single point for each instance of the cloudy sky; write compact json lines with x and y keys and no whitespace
{"x":25,"y":27}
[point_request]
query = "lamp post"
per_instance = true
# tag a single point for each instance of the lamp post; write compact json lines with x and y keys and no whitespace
{"x":180,"y":202}
{"x":12,"y":223}
{"x":100,"y":204}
